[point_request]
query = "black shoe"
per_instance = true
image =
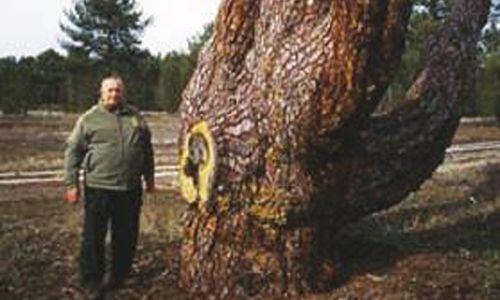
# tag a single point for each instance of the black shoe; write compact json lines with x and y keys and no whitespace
{"x":94,"y":291}
{"x":113,"y":282}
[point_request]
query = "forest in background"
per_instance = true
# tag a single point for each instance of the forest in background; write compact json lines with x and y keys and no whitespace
{"x":104,"y":38}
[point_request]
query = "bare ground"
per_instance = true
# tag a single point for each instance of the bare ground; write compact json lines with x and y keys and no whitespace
{"x":441,"y":242}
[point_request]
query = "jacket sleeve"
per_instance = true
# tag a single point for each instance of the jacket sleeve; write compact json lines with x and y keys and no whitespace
{"x":76,"y":148}
{"x":148,"y":169}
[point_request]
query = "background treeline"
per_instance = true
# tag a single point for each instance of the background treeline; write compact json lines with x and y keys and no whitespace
{"x":427,"y":16}
{"x":52,"y":81}
{"x":103,"y":37}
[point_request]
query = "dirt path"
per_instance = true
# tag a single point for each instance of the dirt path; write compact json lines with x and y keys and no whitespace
{"x":475,"y":152}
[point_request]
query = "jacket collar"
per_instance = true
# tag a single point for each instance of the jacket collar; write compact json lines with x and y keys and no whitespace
{"x":121,"y":109}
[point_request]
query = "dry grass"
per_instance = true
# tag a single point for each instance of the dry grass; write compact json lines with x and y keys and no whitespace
{"x":468,"y":133}
{"x":37,"y":143}
{"x":39,"y":242}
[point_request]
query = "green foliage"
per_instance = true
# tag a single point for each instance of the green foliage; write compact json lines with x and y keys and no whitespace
{"x":427,"y":17}
{"x":107,"y":30}
{"x":71,"y":82}
{"x":491,"y":35}
{"x":196,"y":43}
{"x":51,"y":73}
{"x":17,"y":94}
{"x":488,"y":103}
{"x":103,"y":39}
{"x":81,"y":82}
{"x":141,"y":77}
{"x":488,"y":87}
{"x":175,"y":71}
{"x":10,"y":79}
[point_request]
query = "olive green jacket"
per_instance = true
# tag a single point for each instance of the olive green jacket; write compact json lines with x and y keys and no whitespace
{"x":113,"y":148}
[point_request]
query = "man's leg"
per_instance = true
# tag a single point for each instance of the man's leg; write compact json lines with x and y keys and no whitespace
{"x":124,"y":232}
{"x":95,"y":225}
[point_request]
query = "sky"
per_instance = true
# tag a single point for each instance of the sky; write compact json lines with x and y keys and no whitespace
{"x":29,"y":27}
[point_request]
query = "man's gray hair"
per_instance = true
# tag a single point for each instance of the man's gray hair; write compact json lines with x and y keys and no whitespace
{"x":115,"y":78}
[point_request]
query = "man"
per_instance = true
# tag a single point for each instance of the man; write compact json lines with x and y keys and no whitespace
{"x":112,"y":143}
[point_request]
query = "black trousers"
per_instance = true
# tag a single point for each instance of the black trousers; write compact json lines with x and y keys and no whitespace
{"x":120,"y":210}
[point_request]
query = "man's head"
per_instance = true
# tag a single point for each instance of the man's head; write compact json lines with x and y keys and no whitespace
{"x":111,"y":91}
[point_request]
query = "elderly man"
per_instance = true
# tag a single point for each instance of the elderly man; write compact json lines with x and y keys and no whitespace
{"x":112,"y":143}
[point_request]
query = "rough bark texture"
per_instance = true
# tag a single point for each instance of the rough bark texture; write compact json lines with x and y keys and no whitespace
{"x":279,"y":147}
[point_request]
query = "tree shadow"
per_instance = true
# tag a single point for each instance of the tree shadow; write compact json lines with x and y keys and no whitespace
{"x":488,"y":189}
{"x":377,"y":243}
{"x":477,"y":233}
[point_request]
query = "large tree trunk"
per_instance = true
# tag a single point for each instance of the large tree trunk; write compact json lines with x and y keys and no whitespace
{"x":279,"y":148}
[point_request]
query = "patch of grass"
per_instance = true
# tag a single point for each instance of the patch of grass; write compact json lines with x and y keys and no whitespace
{"x":161,"y":215}
{"x":469,"y":133}
{"x":40,"y":237}
{"x":491,"y":254}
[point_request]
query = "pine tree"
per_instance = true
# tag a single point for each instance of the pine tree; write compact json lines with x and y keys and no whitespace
{"x":104,"y":29}
{"x":105,"y":35}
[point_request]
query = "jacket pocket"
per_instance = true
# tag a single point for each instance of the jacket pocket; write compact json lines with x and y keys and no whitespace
{"x":88,"y":163}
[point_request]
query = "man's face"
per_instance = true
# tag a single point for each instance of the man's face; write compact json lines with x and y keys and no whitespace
{"x":111,"y":93}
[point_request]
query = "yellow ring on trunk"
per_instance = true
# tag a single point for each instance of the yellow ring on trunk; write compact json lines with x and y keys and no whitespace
{"x":201,"y":190}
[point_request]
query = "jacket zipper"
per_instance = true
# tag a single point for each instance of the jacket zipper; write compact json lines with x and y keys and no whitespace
{"x":120,"y":136}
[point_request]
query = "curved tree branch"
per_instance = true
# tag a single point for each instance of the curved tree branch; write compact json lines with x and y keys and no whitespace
{"x":395,"y":153}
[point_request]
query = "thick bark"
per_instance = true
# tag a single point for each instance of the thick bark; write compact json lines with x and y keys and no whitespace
{"x":278,"y":145}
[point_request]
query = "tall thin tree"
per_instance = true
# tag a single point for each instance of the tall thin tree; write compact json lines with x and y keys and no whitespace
{"x":104,"y":29}
{"x":107,"y":33}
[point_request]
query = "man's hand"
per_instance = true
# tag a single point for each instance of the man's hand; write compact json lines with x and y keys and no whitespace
{"x":72,"y":195}
{"x":150,"y":186}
